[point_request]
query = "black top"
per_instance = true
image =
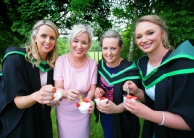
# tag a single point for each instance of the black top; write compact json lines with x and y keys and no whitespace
{"x":125,"y":124}
{"x":21,"y":78}
{"x":174,"y":90}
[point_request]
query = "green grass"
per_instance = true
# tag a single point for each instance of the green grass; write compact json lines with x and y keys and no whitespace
{"x":95,"y":128}
{"x":95,"y":55}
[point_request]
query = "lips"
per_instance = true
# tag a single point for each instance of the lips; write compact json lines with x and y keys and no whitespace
{"x":78,"y":52}
{"x":46,"y":46}
{"x":109,"y":58}
{"x":146,"y":46}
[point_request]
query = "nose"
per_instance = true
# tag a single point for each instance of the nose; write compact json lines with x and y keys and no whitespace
{"x":109,"y":51}
{"x":144,"y":38}
{"x":79,"y":45}
{"x":47,"y":39}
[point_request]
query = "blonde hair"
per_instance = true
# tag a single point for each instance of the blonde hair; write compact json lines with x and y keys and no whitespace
{"x":79,"y":29}
{"x":31,"y":47}
{"x":155,"y":19}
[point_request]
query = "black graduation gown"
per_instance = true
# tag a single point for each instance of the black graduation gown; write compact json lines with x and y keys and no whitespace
{"x":21,"y":78}
{"x":173,"y":93}
{"x":125,"y":124}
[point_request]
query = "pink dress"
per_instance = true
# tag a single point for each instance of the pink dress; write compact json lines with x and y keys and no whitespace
{"x":71,"y":123}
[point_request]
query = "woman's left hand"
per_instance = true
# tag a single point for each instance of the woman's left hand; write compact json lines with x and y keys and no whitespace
{"x":91,"y":108}
{"x":137,"y":108}
{"x":108,"y":108}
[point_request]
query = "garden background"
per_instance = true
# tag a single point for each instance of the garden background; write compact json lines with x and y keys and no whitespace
{"x":18,"y":16}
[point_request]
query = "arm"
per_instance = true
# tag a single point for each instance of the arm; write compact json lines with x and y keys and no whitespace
{"x":91,"y":92}
{"x":169,"y":119}
{"x":43,"y":96}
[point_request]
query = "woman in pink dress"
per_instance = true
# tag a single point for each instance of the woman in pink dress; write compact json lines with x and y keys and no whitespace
{"x":75,"y":74}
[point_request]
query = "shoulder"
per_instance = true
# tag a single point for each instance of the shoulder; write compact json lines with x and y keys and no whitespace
{"x":125,"y":62}
{"x":181,"y":63}
{"x":62,"y":57}
{"x":13,"y":52}
{"x":142,"y":62}
{"x":92,"y":62}
{"x":13,"y":48}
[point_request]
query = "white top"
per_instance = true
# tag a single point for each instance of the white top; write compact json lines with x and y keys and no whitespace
{"x":151,"y":91}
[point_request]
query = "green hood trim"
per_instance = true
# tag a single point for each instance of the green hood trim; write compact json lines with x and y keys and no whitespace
{"x":184,"y":50}
{"x":43,"y":66}
{"x":114,"y":77}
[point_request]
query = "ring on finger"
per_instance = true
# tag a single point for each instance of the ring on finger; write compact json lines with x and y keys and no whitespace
{"x":132,"y":111}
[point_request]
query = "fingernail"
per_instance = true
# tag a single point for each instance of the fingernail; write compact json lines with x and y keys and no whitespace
{"x":54,"y":90}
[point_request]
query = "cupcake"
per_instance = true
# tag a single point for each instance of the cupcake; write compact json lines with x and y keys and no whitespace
{"x":101,"y":100}
{"x":83,"y":106}
{"x":127,"y":96}
{"x":57,"y":96}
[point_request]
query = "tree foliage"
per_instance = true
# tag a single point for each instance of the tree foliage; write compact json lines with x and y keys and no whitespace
{"x":18,"y":16}
{"x":178,"y":14}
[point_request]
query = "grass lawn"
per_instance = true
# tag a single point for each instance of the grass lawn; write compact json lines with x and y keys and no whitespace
{"x":95,"y":128}
{"x":95,"y":55}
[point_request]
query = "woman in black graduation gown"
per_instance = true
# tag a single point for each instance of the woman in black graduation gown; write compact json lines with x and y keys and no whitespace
{"x":27,"y":85}
{"x":113,"y":71}
{"x":168,"y":78}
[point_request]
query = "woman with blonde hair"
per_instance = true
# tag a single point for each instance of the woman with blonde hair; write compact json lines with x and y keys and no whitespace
{"x":75,"y":74}
{"x":167,"y":77}
{"x":26,"y":86}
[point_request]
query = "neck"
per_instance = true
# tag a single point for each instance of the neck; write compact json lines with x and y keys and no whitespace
{"x":155,"y":59}
{"x":115,"y":64}
{"x":78,"y":62}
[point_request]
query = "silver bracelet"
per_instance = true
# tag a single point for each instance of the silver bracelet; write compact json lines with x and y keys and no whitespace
{"x":163,"y":119}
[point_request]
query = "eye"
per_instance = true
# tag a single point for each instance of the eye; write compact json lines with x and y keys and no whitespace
{"x":104,"y":48}
{"x":75,"y":41}
{"x":85,"y":43}
{"x":52,"y":38}
{"x":138,"y":37}
{"x":43,"y":36}
{"x":113,"y":49}
{"x":150,"y":33}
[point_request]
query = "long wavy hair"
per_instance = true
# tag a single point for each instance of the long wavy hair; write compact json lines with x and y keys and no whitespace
{"x":155,"y":19}
{"x":31,"y":47}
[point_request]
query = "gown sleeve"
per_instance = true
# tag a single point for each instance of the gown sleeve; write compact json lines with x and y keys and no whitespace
{"x":12,"y":84}
{"x":182,"y":93}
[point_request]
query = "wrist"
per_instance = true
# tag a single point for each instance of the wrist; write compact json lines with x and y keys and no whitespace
{"x":34,"y":96}
{"x":163,"y":119}
{"x":119,"y":108}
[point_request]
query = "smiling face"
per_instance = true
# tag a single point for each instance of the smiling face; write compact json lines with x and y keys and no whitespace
{"x":111,"y":51}
{"x":45,"y":39}
{"x":149,"y":36}
{"x":80,"y":45}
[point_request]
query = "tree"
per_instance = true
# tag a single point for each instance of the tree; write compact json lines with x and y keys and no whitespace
{"x":18,"y":16}
{"x":178,"y":14}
